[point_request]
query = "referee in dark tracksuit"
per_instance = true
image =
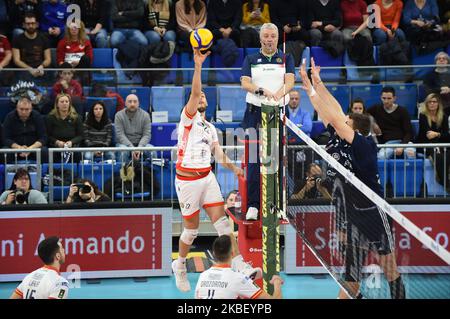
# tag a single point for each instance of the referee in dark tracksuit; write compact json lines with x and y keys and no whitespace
{"x":266,"y":74}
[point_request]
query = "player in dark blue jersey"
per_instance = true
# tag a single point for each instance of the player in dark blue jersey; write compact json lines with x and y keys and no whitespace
{"x":359,"y":222}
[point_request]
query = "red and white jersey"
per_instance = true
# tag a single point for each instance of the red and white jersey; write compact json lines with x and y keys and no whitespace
{"x":195,"y":143}
{"x":222,"y":282}
{"x":43,"y":283}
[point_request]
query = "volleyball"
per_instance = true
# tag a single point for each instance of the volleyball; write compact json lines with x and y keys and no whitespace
{"x":201,"y":39}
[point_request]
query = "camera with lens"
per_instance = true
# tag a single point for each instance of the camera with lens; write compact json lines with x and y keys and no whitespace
{"x":317,"y":179}
{"x":20,"y":196}
{"x":83,"y":188}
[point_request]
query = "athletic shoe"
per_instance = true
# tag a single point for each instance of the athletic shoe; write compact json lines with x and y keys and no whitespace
{"x":252,"y":213}
{"x":181,"y":278}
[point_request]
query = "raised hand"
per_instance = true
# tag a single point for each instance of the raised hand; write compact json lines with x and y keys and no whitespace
{"x":315,"y":73}
{"x":199,"y":57}
{"x":307,"y":86}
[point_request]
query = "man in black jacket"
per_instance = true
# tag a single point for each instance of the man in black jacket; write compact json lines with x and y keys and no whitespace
{"x":24,"y":128}
{"x":326,"y":20}
{"x":224,"y":19}
{"x":127,"y":17}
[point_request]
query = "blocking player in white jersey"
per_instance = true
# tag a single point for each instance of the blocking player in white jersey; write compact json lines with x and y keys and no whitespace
{"x":196,"y":185}
{"x":45,"y":282}
{"x":222,"y":282}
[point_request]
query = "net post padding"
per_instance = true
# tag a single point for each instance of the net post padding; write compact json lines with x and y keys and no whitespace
{"x":270,"y":197}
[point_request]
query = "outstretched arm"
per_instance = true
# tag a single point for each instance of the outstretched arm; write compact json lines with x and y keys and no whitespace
{"x":194,"y":99}
{"x":225,"y":161}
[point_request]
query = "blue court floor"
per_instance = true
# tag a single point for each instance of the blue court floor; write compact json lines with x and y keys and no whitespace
{"x":295,"y":287}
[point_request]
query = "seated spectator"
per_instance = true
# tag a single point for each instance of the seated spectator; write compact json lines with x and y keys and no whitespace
{"x":160,"y":21}
{"x":5,"y":59}
{"x":64,"y":128}
{"x":291,"y":17}
{"x":31,"y":50}
{"x":17,"y":10}
{"x":298,"y":159}
{"x":24,"y":128}
{"x":313,"y":187}
{"x":74,"y":50}
{"x":133,"y":128}
{"x":98,"y":132}
{"x":438,"y":80}
{"x":390,"y":14}
{"x":357,"y":106}
{"x":326,"y":19}
{"x":229,"y":203}
{"x":224,"y":19}
{"x":254,"y":14}
{"x":100,"y":90}
{"x":395,"y":124}
{"x":127,"y":17}
{"x":53,"y":20}
{"x":420,"y":18}
{"x":190,"y":15}
{"x":86,"y":191}
{"x":354,"y":20}
{"x":21,"y":191}
{"x":95,"y":15}
{"x":434,"y":128}
{"x":66,"y":84}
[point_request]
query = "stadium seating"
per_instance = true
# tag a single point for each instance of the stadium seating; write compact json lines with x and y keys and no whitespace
{"x":369,"y":93}
{"x":98,"y":173}
{"x":5,"y":107}
{"x":406,"y":176}
{"x":164,"y":134}
{"x":168,"y":98}
{"x":383,"y":172}
{"x":122,"y":76}
{"x":227,"y":76}
{"x":211,"y":98}
{"x":187,"y":61}
{"x":60,"y":192}
{"x":324,"y":59}
{"x":423,"y":59}
{"x":317,"y":129}
{"x":341,"y":93}
{"x":165,"y":175}
{"x":103,"y":58}
{"x":232,"y":98}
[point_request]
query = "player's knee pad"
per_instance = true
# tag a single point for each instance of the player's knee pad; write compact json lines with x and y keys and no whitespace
{"x":188,"y":236}
{"x":223,"y":226}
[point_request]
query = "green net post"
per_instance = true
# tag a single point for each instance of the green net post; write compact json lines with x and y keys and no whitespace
{"x":270,"y":196}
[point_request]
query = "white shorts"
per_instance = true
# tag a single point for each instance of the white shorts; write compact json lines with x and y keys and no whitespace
{"x":196,"y":192}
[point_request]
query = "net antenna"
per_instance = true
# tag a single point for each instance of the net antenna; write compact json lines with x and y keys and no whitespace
{"x":284,"y":159}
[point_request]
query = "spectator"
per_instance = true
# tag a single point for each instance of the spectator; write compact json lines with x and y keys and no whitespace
{"x":5,"y":59}
{"x":224,"y":19}
{"x":160,"y":21}
{"x":229,"y":203}
{"x":357,"y":106}
{"x":66,"y":84}
{"x":395,"y":124}
{"x":390,"y":14}
{"x":74,"y":50}
{"x":96,"y":14}
{"x":127,"y":17}
{"x":17,"y":10}
{"x":100,"y":90}
{"x":254,"y":14}
{"x":191,"y":15}
{"x":298,"y":159}
{"x":133,"y":128}
{"x":98,"y":132}
{"x":31,"y":50}
{"x":434,"y":128}
{"x":419,"y":19}
{"x":326,"y":19}
{"x":24,"y":128}
{"x":53,"y":20}
{"x":354,"y":19}
{"x":312,"y":187}
{"x":291,"y":17}
{"x":21,"y":191}
{"x":64,"y":128}
{"x":438,"y":80}
{"x":86,"y":191}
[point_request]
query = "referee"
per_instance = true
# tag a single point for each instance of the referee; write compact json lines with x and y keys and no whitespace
{"x":266,"y":74}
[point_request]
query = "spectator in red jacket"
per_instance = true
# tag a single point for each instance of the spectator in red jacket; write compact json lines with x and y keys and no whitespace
{"x":74,"y":50}
{"x":66,"y":84}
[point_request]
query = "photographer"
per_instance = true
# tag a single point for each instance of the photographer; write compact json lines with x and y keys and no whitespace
{"x":86,"y":191}
{"x":21,"y":191}
{"x":313,"y":187}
